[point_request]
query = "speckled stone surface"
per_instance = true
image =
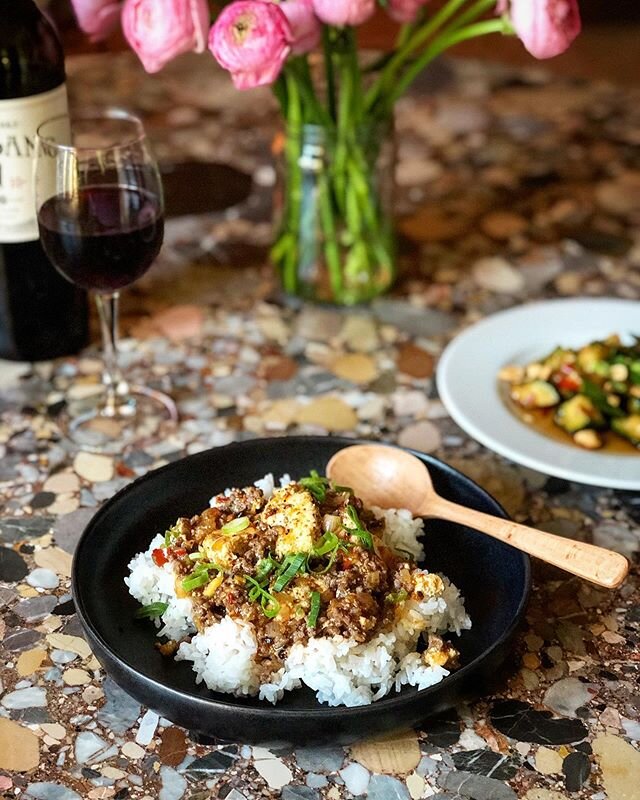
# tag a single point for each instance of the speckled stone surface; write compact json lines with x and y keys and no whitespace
{"x":512,"y":188}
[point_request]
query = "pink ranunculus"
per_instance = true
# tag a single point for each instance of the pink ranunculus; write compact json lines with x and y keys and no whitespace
{"x":305,"y":26}
{"x":160,"y":30}
{"x":546,"y":27}
{"x":97,"y":18}
{"x":251,"y":39}
{"x":405,"y":10}
{"x":344,"y":12}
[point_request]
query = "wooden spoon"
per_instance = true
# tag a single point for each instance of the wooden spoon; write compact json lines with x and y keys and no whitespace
{"x":391,"y":478}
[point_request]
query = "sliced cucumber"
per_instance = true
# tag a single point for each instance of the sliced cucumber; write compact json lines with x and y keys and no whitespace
{"x":628,"y":427}
{"x":633,"y":406}
{"x":577,"y":414}
{"x":535,"y":394}
{"x":559,"y":358}
{"x":591,"y":357}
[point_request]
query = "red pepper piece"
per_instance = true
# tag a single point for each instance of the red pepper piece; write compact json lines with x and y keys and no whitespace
{"x":159,"y":557}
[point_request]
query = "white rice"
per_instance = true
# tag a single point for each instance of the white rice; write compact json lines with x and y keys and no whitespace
{"x":401,"y":531}
{"x":149,"y":583}
{"x":340,"y":671}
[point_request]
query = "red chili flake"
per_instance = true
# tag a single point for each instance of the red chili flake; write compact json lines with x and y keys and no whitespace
{"x":177,"y":552}
{"x":159,"y":557}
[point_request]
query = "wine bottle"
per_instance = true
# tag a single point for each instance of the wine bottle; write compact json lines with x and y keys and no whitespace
{"x":42,"y":316}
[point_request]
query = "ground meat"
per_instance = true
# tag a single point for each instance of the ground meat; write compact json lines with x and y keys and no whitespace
{"x":241,"y":502}
{"x":355,"y":583}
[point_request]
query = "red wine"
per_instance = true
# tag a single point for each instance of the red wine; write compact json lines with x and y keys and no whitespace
{"x":104,"y":238}
{"x":41,"y":315}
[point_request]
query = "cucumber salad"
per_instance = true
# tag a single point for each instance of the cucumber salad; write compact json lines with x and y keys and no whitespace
{"x":591,"y":393}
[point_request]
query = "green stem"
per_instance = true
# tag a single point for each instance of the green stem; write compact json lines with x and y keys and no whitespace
{"x":403,"y":53}
{"x":344,"y":127}
{"x":330,"y":71}
{"x":312,"y":109}
{"x":294,"y":178}
{"x":331,"y":249}
{"x":356,"y":75}
{"x":404,"y":35}
{"x":439,"y":45}
{"x":472,"y":14}
{"x":280,"y":92}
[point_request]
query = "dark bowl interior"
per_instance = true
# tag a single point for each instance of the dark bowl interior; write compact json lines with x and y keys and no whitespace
{"x":494,"y":579}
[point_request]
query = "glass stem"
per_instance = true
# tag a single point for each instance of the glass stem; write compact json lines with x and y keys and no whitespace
{"x":115,"y":386}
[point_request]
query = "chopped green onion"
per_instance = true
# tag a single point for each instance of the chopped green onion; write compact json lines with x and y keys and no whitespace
{"x":353,"y":516}
{"x":365,"y":537}
{"x":316,"y":485}
{"x":359,"y":530}
{"x":270,"y":606}
{"x":326,"y":544}
{"x":208,"y":565}
{"x":195,"y":580}
{"x":289,"y":569}
{"x":152,"y":611}
{"x":196,"y":556}
{"x":330,"y":563}
{"x":173,"y":533}
{"x":314,"y":611}
{"x":396,"y":597}
{"x":235,"y":526}
{"x":264,"y":568}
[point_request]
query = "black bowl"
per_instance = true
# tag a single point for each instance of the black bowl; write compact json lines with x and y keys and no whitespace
{"x":493,"y":577}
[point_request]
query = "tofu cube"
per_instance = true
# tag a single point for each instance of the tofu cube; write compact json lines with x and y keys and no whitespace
{"x":293,"y":510}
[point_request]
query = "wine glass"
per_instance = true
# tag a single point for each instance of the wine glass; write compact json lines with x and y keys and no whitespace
{"x":100,"y":215}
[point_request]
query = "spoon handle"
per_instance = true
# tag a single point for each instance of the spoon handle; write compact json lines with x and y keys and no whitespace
{"x":596,"y":564}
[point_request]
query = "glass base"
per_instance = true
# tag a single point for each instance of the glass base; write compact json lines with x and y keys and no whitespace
{"x":138,"y":416}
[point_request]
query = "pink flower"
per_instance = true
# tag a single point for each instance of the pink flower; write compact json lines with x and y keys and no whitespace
{"x":546,"y":27}
{"x":344,"y":12}
{"x":97,"y":18}
{"x":251,"y":39}
{"x":405,"y":10}
{"x":304,"y":24}
{"x":160,"y":30}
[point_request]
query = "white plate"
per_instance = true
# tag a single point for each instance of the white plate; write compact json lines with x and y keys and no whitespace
{"x":467,"y":379}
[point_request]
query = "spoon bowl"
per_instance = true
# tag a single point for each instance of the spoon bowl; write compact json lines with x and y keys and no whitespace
{"x":392,"y":478}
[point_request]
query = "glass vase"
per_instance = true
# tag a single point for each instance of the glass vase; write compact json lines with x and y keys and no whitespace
{"x":335,"y":237}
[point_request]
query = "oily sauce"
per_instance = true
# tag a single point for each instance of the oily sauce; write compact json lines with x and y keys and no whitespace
{"x":541,"y":420}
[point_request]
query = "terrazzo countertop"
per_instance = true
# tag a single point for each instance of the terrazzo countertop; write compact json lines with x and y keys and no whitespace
{"x":513,"y":188}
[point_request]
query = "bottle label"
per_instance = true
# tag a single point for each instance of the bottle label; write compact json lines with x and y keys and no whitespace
{"x":19,"y":121}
